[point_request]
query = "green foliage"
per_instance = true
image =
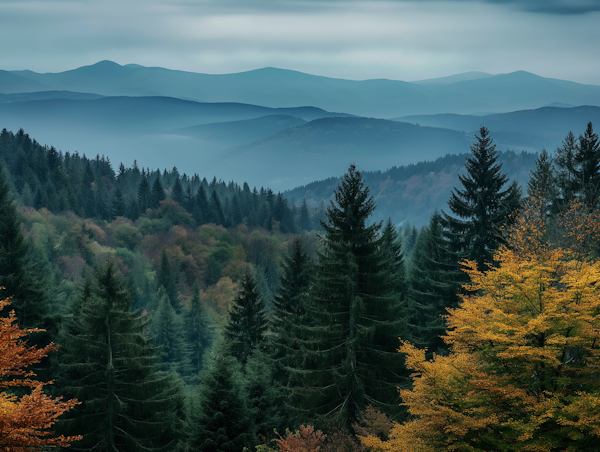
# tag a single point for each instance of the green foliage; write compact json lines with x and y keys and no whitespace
{"x":199,"y":332}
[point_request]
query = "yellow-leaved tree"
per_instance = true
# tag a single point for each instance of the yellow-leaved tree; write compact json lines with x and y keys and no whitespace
{"x":26,"y":421}
{"x":523,"y":373}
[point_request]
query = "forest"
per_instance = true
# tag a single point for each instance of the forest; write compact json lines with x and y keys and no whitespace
{"x":148,"y":310}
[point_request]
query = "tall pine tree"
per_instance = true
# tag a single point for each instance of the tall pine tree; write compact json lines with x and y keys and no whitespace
{"x":482,"y":205}
{"x":351,"y":360}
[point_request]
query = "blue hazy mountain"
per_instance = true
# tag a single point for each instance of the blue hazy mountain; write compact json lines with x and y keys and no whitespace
{"x":463,"y":94}
{"x":325,"y":146}
{"x":47,"y":95}
{"x":472,"y":75}
{"x":519,"y":129}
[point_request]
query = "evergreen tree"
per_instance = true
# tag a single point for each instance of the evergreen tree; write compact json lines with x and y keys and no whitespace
{"x":118,"y":203}
{"x":167,"y":329}
{"x":168,"y":279}
{"x":215,"y":209}
{"x":566,"y":179}
{"x":351,"y":358}
{"x":434,"y":280}
{"x":392,"y":243}
{"x":198,"y":330}
{"x":542,"y":183}
{"x":108,"y":365}
{"x":144,"y":195}
{"x":481,"y":206}
{"x":177,"y":192}
{"x":305,"y":221}
{"x":587,"y":171}
{"x":203,"y":213}
{"x":18,"y":273}
{"x":236,"y":211}
{"x":247,"y":323}
{"x":157,"y":194}
{"x":221,"y":420}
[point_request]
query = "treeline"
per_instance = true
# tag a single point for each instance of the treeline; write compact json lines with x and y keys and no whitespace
{"x":319,"y":345}
{"x":43,"y":177}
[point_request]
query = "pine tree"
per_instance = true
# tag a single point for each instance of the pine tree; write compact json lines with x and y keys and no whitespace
{"x":247,"y":323}
{"x":481,"y":206}
{"x":351,"y":358}
{"x":215,"y":209}
{"x":198,"y":329}
{"x":392,"y":243}
{"x":18,"y":274}
{"x":177,"y":192}
{"x":118,"y":203}
{"x":203,"y":213}
{"x":542,"y":183}
{"x":434,"y":280}
{"x":144,"y":195}
{"x":220,"y":419}
{"x":168,"y":279}
{"x":566,"y":179}
{"x":587,"y":171}
{"x":167,"y":329}
{"x":157,"y":194}
{"x":108,"y":365}
{"x":305,"y":221}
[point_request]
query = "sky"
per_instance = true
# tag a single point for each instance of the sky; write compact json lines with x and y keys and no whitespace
{"x":352,"y":39}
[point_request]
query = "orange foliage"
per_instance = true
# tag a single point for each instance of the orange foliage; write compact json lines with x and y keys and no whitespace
{"x":305,"y":439}
{"x":522,"y":374}
{"x":25,"y":421}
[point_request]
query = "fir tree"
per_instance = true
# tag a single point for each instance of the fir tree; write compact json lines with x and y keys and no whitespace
{"x":392,"y":243}
{"x":168,"y":279}
{"x":168,"y":332}
{"x":351,"y":359}
{"x":198,"y":329}
{"x":482,"y":205}
{"x":18,"y":274}
{"x":587,"y":171}
{"x":177,"y":192}
{"x":108,"y":365}
{"x":157,"y":194}
{"x":305,"y":221}
{"x":566,"y":179}
{"x":144,"y":195}
{"x":203,"y":213}
{"x":221,"y":420}
{"x":434,"y":280}
{"x":247,"y":323}
{"x":542,"y":183}
{"x":216,"y":210}
{"x":118,"y":203}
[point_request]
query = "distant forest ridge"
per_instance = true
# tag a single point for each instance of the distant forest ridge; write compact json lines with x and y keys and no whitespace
{"x":413,"y":192}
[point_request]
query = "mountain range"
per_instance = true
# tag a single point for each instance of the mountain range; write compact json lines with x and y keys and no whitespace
{"x":469,"y":93}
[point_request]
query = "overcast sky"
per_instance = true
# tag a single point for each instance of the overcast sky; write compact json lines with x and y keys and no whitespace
{"x":396,"y":39}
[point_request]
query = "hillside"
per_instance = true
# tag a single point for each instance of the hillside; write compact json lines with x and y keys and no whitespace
{"x":526,"y":128}
{"x":325,"y":146}
{"x":413,"y":192}
{"x":274,"y":87}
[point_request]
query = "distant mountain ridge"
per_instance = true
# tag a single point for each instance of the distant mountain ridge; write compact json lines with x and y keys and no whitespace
{"x":468,"y":93}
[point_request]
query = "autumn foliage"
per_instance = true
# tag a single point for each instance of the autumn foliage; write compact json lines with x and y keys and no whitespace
{"x":25,"y":421}
{"x":523,"y":371}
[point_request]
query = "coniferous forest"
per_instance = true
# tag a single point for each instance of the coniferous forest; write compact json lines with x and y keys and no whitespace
{"x":169,"y":312}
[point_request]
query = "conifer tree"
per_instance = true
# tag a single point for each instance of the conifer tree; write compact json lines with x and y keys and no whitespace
{"x":109,"y":366}
{"x":157,"y":194}
{"x":220,"y":418}
{"x":168,"y":279}
{"x":566,"y":179}
{"x":168,"y":334}
{"x":392,"y":243}
{"x":434,"y":280}
{"x":305,"y":221}
{"x":177,"y":193}
{"x":351,"y":358}
{"x":587,"y":171}
{"x":144,"y":195}
{"x":247,"y":323}
{"x":118,"y":203}
{"x":542,"y":183}
{"x":203,"y":214}
{"x":198,"y":329}
{"x":18,"y":273}
{"x":481,"y":206}
{"x":216,"y":210}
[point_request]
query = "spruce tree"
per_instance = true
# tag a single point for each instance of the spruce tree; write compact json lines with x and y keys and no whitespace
{"x":215,"y":209}
{"x":157,"y":194}
{"x":144,"y":195}
{"x":111,"y":368}
{"x":199,"y":331}
{"x":167,"y":329}
{"x":542,"y":184}
{"x":565,"y":168}
{"x":305,"y":221}
{"x":177,"y":193}
{"x":392,"y":243}
{"x":351,"y":350}
{"x":203,"y":213}
{"x":167,"y":278}
{"x":220,"y":418}
{"x":119,"y":208}
{"x":587,"y":171}
{"x":19,"y":275}
{"x":247,"y":323}
{"x":434,"y":280}
{"x":481,"y":206}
